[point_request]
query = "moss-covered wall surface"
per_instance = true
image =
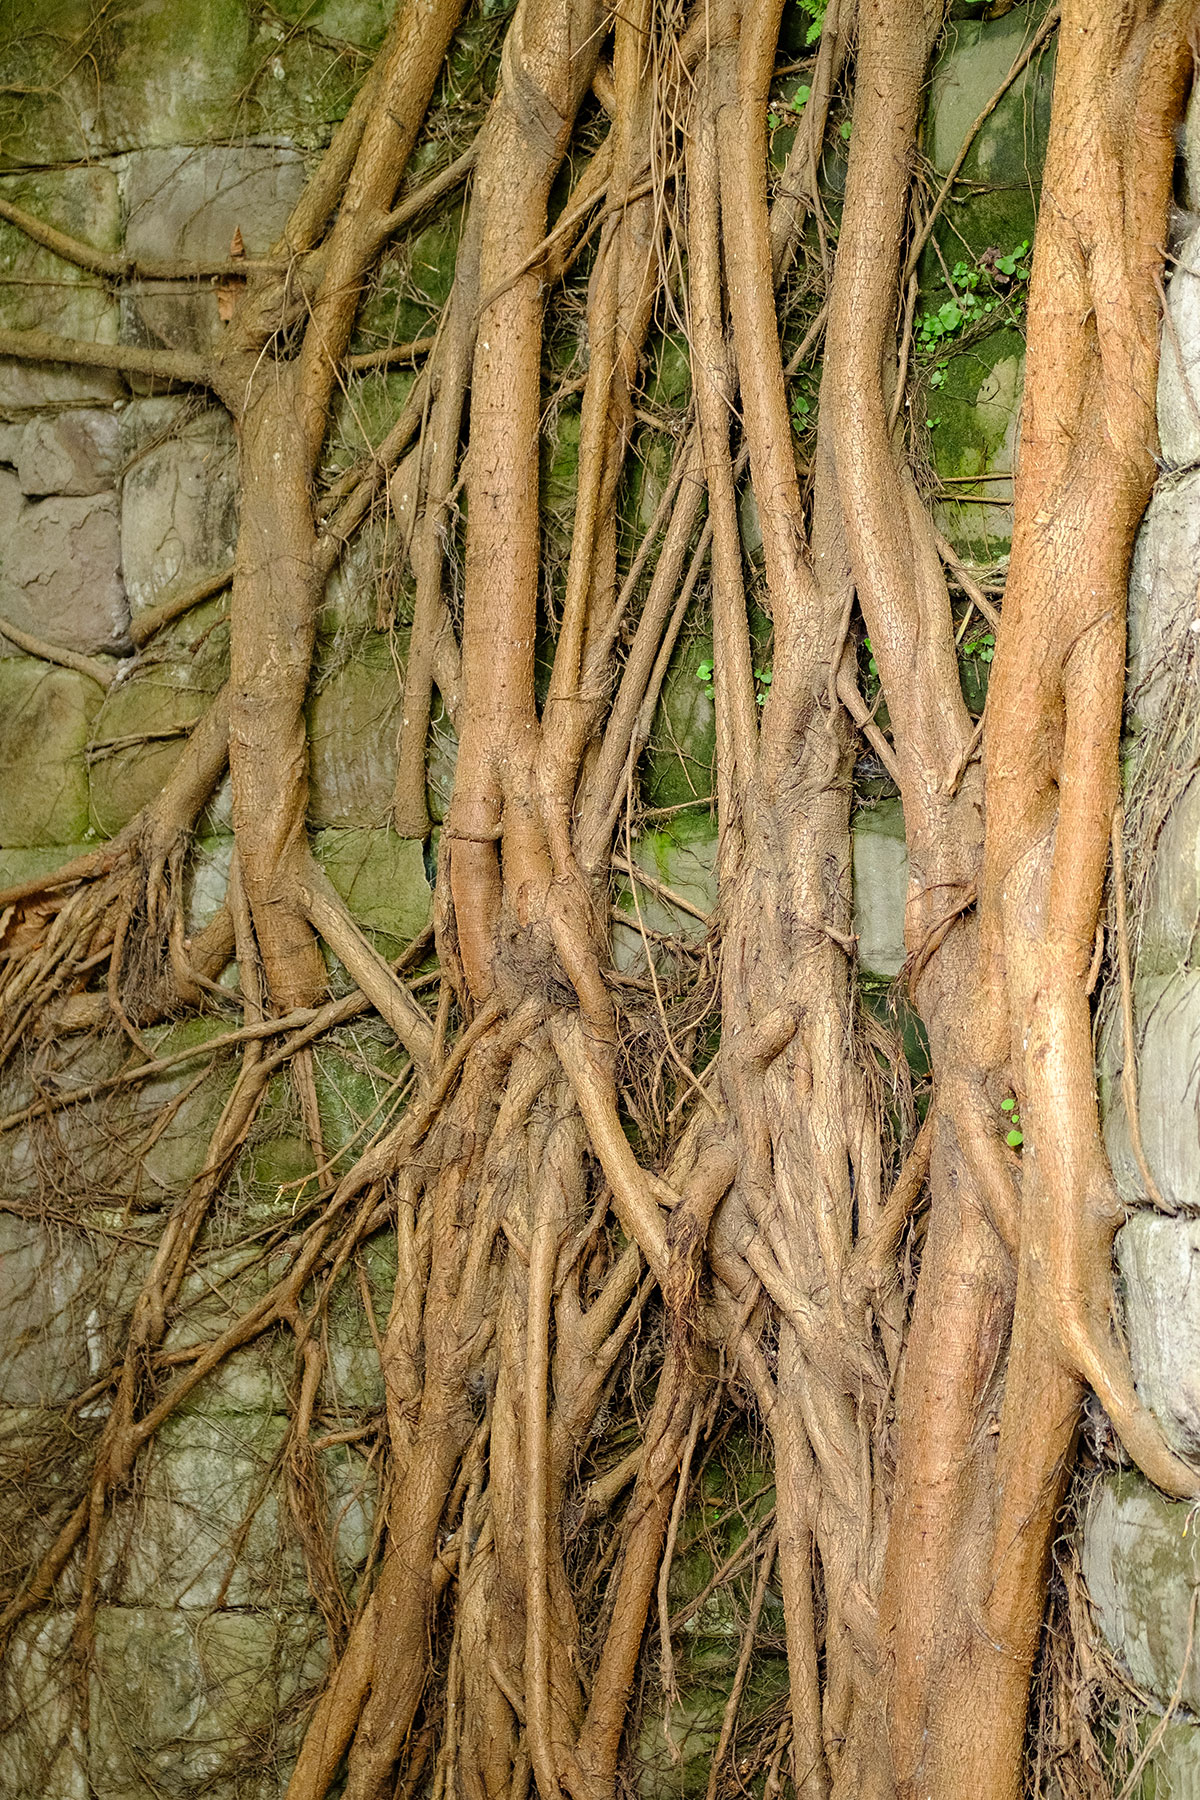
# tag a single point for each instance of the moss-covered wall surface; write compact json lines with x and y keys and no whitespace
{"x":174,"y":131}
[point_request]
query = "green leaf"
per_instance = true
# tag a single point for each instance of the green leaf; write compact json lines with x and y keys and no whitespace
{"x":1014,"y":1140}
{"x":845,"y":131}
{"x":1008,"y":1105}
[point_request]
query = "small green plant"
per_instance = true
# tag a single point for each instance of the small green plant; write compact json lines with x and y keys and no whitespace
{"x":787,"y":112}
{"x":704,"y":675}
{"x":816,"y":14}
{"x":1014,"y":1137}
{"x":993,"y":283}
{"x":981,"y":645}
{"x":763,"y":678}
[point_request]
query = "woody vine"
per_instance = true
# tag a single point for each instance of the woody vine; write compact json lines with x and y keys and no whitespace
{"x":912,"y":1317}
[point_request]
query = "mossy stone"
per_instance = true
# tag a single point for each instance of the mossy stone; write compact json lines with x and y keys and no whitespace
{"x":683,"y":746}
{"x":155,"y":707}
{"x":353,"y":728}
{"x":46,"y":718}
{"x":382,"y":879}
{"x":38,"y":290}
{"x":363,"y":414}
{"x":1141,"y":1562}
{"x":975,"y":417}
{"x":358,"y":22}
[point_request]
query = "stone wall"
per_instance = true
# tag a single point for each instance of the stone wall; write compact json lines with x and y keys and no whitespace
{"x":1139,"y":1550}
{"x":167,"y":130}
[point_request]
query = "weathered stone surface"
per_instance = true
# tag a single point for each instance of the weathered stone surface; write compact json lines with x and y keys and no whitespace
{"x":24,"y":865}
{"x":683,"y":859}
{"x":73,"y":452}
{"x":187,"y":201}
{"x":679,"y":762}
{"x":1179,"y":363}
{"x":361,"y":22}
{"x":207,"y":881}
{"x":143,"y":724}
{"x":1159,"y":1260}
{"x":184,"y":1541}
{"x":38,"y":290}
{"x":1173,"y":1772}
{"x":47,"y":1346}
{"x":977,"y":414}
{"x":60,"y":569}
{"x":1141,"y":1561}
{"x":1006,"y":157}
{"x":43,"y":1748}
{"x":353,"y":724}
{"x":1171,"y":917}
{"x":177,"y":1696}
{"x":1167,"y":1027}
{"x":1163,"y":613}
{"x":41,"y":292}
{"x":381,"y":877}
{"x":880,"y":886}
{"x":178,"y":502}
{"x":46,"y":717}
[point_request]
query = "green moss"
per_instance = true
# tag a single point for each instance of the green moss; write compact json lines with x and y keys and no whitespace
{"x":364,"y":413}
{"x":157,"y":704}
{"x":974,"y":419}
{"x":40,"y":292}
{"x":382,"y":879}
{"x":46,"y":717}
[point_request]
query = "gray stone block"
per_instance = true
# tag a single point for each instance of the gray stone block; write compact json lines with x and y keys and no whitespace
{"x":73,"y":452}
{"x":1159,"y":1260}
{"x":187,"y":201}
{"x":353,"y":728}
{"x":38,"y":290}
{"x":381,"y":877}
{"x":1179,"y":362}
{"x":685,"y":861}
{"x":49,"y":1335}
{"x":178,"y":503}
{"x":1141,"y":1561}
{"x":1164,"y":618}
{"x":43,"y":1743}
{"x":880,"y":887}
{"x":46,"y":718}
{"x":1171,"y":916}
{"x":60,"y":569}
{"x":1167,"y":1026}
{"x":206,"y":1527}
{"x":182,"y":1704}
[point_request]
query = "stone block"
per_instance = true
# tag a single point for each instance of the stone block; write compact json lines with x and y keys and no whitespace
{"x":26,"y":865}
{"x":1141,"y":1562}
{"x":41,"y":292}
{"x":1173,"y":1772}
{"x":1179,"y":362}
{"x":353,"y":727}
{"x":142,"y":726}
{"x":187,"y":201}
{"x":1167,"y":1028}
{"x":682,"y":858}
{"x":880,"y":864}
{"x":382,"y":879}
{"x":975,"y":57}
{"x":1004,"y":163}
{"x":1159,"y":1260}
{"x":43,"y":1743}
{"x":178,"y":501}
{"x":177,"y":73}
{"x":38,"y":290}
{"x":680,"y":760}
{"x":49,"y":1344}
{"x":60,"y":569}
{"x":205,"y":1527}
{"x":46,"y":717}
{"x":361,"y":22}
{"x":974,"y":434}
{"x":1164,"y":618}
{"x":75,"y":452}
{"x":207,"y":881}
{"x":1171,"y":916}
{"x":183,"y":1704}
